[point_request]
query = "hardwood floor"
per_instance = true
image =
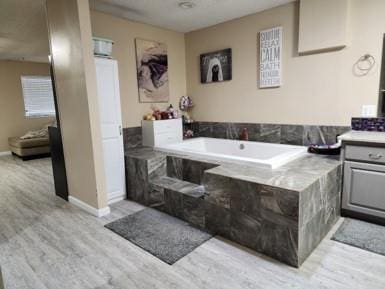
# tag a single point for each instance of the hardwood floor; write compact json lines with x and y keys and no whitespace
{"x":48,"y":243}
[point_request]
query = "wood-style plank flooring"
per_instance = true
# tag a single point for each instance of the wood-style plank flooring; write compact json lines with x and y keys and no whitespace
{"x":46,"y":243}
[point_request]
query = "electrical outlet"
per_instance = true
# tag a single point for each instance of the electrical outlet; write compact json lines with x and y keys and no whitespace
{"x":369,"y":110}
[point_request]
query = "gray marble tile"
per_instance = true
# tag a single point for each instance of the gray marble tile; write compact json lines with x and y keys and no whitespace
{"x":318,"y":196}
{"x":264,"y":210}
{"x":218,"y":190}
{"x":331,"y":132}
{"x":296,"y":175}
{"x":142,"y":165}
{"x":234,"y":130}
{"x":245,"y":230}
{"x":292,"y":134}
{"x":193,"y":170}
{"x":254,"y":130}
{"x":219,"y":130}
{"x":187,"y":169}
{"x":269,"y":133}
{"x":155,"y":195}
{"x":218,"y":219}
{"x":173,"y":204}
{"x":193,"y":210}
{"x":132,"y":137}
{"x":205,"y":129}
{"x":137,"y":179}
{"x":245,"y":198}
{"x":279,"y":242}
{"x":273,"y":133}
{"x":175,"y":167}
{"x":157,"y":167}
{"x":322,"y":134}
{"x":279,"y":201}
{"x":317,"y":227}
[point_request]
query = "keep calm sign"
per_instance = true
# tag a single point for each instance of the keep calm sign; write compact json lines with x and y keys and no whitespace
{"x":270,"y":67}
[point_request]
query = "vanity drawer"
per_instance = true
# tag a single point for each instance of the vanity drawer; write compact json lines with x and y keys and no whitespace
{"x":166,"y":138}
{"x":162,"y":126}
{"x":365,"y":154}
{"x":155,"y":133}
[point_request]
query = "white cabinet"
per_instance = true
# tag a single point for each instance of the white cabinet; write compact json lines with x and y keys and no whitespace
{"x":111,"y":125}
{"x":364,"y":180}
{"x":161,"y":132}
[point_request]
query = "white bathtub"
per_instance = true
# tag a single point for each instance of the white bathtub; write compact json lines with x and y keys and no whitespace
{"x":265,"y":155}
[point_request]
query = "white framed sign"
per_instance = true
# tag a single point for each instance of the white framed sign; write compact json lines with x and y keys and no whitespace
{"x":270,"y":57}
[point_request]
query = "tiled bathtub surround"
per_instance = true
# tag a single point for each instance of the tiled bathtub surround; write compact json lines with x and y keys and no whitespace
{"x":272,"y":133}
{"x":132,"y":137}
{"x":283,"y":213}
{"x":368,"y":124}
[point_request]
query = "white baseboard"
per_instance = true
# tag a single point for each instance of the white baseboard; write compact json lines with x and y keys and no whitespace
{"x":89,"y":209}
{"x":116,"y":199}
{"x":8,"y":153}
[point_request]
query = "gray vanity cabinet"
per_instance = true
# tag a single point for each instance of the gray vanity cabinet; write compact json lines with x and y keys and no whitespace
{"x":364,"y":180}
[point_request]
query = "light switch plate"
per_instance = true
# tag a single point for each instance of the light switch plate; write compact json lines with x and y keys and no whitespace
{"x":369,"y":110}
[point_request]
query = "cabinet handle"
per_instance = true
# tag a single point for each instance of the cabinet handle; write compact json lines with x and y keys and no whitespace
{"x":375,"y":156}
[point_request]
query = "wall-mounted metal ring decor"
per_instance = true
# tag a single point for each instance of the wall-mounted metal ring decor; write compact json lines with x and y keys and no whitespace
{"x":364,"y":65}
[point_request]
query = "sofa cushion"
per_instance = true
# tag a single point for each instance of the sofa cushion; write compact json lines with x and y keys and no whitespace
{"x":28,"y":143}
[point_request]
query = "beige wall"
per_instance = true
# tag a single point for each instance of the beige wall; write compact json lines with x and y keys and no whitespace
{"x":317,"y":18}
{"x":75,"y":77}
{"x":317,"y":89}
{"x":124,"y":32}
{"x":12,"y":117}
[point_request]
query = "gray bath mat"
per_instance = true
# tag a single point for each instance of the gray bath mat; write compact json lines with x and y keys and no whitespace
{"x":362,"y":235}
{"x":162,"y":235}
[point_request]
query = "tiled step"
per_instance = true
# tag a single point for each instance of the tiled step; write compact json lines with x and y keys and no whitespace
{"x":182,"y":199}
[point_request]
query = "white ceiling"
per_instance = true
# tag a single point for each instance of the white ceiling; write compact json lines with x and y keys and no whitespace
{"x":24,"y":35}
{"x":167,"y":14}
{"x":23,"y":30}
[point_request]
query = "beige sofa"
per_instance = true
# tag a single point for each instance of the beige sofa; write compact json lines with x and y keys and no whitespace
{"x":29,"y":148}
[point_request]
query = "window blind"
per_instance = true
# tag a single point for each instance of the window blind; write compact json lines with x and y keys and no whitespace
{"x":38,"y":96}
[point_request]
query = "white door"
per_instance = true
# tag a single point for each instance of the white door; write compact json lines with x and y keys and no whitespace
{"x":111,"y":123}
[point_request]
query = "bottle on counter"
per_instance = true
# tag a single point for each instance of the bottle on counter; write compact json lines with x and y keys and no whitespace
{"x":245,"y":134}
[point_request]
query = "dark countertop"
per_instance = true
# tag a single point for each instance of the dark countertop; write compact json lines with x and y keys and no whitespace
{"x":372,"y":137}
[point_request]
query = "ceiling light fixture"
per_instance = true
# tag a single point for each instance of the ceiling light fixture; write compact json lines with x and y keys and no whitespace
{"x":186,"y":5}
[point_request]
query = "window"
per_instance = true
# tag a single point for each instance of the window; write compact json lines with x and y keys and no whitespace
{"x":38,"y":96}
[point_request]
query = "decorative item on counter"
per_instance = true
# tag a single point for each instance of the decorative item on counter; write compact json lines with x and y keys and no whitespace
{"x":149,"y":116}
{"x":244,"y":135}
{"x":173,"y":113}
{"x":368,"y":123}
{"x":165,"y":115}
{"x":334,"y":149}
{"x":169,"y":113}
{"x":185,"y":103}
{"x":187,"y":119}
{"x":188,"y":134}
